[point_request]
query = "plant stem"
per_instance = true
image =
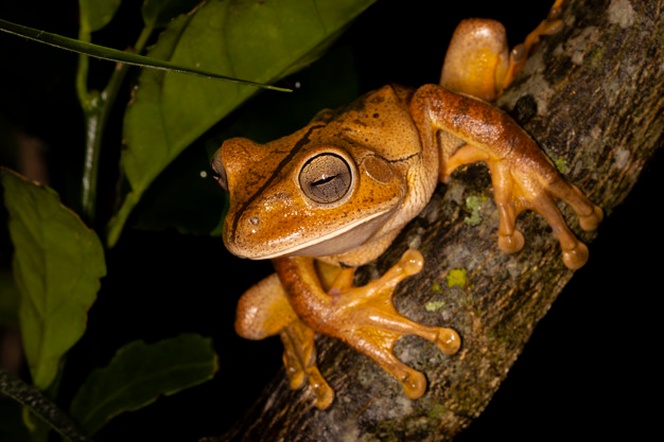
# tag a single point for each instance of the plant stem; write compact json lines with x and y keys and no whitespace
{"x":34,"y":400}
{"x":96,"y":110}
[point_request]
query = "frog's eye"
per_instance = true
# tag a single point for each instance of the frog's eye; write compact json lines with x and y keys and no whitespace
{"x":326,"y":178}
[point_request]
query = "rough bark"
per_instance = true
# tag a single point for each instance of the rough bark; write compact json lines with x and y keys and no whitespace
{"x":595,"y":106}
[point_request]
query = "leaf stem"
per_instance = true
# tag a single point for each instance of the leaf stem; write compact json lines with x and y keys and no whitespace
{"x":110,"y":54}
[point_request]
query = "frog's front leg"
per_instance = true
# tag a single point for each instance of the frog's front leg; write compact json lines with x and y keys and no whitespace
{"x":523,"y":177}
{"x":363,"y":317}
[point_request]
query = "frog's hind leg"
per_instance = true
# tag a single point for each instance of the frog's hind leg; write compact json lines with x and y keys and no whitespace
{"x":477,"y":59}
{"x":479,"y":62}
{"x":263,"y":311}
{"x":300,"y":362}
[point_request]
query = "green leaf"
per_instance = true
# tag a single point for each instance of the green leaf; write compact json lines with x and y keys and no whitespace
{"x":57,"y":265}
{"x":95,"y":14}
{"x":157,"y":13}
{"x":260,"y":41}
{"x":139,"y":373}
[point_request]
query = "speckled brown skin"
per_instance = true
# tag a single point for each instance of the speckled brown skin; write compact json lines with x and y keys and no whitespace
{"x":523,"y":177}
{"x":391,"y":184}
{"x":397,"y":144}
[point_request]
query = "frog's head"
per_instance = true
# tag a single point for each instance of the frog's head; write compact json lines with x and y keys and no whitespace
{"x":304,"y":195}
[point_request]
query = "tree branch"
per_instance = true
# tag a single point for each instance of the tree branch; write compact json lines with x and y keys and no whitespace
{"x":592,"y":97}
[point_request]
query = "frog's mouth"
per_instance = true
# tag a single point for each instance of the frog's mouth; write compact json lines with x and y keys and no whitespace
{"x":334,"y":242}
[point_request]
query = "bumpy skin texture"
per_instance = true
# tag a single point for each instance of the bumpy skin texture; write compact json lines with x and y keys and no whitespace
{"x":341,"y":189}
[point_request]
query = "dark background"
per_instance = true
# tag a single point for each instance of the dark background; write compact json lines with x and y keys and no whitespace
{"x":586,"y":372}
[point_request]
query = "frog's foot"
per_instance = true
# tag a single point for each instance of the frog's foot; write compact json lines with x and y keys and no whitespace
{"x":300,"y":362}
{"x":549,"y":26}
{"x":264,"y":310}
{"x":519,"y":54}
{"x":530,"y":181}
{"x":365,"y":318}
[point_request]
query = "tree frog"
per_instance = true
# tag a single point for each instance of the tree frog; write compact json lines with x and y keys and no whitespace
{"x":334,"y":195}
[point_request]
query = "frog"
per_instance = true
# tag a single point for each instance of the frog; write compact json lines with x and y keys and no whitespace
{"x":334,"y":195}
